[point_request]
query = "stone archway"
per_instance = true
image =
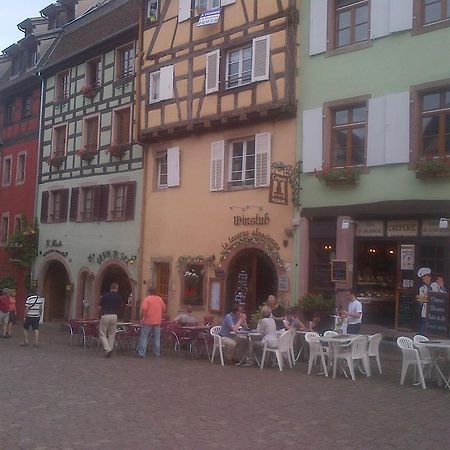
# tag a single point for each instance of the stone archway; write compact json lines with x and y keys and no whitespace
{"x":56,"y":288}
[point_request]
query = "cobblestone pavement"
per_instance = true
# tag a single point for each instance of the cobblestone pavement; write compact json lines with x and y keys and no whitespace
{"x":62,"y":397}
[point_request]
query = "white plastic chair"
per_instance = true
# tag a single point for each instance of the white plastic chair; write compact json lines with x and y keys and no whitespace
{"x":283,"y":347}
{"x":330,"y":333}
{"x":315,"y":350}
{"x":374,"y":348}
{"x":410,"y":357}
{"x":215,"y":333}
{"x":357,"y":350}
{"x":424,"y":353}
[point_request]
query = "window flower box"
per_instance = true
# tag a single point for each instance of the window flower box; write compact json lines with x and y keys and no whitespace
{"x":86,"y":154}
{"x":55,"y":160}
{"x":433,"y":167}
{"x":118,"y":150}
{"x":88,"y":91}
{"x":338,"y":176}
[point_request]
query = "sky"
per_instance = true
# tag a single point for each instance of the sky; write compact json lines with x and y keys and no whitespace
{"x":14,"y":12}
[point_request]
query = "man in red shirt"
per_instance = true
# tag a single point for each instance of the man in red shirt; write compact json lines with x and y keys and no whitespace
{"x":4,"y":310}
{"x":152,"y":308}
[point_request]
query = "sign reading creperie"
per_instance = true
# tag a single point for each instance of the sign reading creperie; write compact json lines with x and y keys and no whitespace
{"x":402,"y":227}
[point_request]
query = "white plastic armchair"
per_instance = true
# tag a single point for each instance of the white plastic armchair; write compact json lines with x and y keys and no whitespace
{"x":283,"y":348}
{"x":330,"y":333}
{"x":358,"y":350}
{"x":410,"y":357}
{"x":374,"y":348}
{"x":424,"y":353}
{"x":218,"y":345}
{"x":315,"y":351}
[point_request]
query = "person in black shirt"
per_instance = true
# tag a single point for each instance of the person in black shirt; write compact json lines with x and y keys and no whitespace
{"x":277,"y":311}
{"x":110,"y":306}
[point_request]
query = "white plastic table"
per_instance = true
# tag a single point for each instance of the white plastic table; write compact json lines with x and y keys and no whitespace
{"x":434,"y":346}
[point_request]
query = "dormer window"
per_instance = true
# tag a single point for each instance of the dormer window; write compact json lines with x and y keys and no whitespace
{"x":15,"y":65}
{"x":30,"y":57}
{"x":206,"y":5}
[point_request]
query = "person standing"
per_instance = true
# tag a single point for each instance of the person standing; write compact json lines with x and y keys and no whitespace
{"x":4,"y":310}
{"x":277,"y":311}
{"x":424,"y":273}
{"x":12,"y":312}
{"x":152,"y":308}
{"x":110,"y":306}
{"x":32,"y":316}
{"x":354,"y":313}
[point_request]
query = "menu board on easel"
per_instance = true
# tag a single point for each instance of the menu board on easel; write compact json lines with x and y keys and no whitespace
{"x":437,"y":314}
{"x":405,"y":304}
{"x":338,"y":270}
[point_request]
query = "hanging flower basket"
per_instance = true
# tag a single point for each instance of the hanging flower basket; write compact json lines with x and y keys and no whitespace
{"x":88,"y":91}
{"x":55,"y":160}
{"x":86,"y":154}
{"x":118,"y":151}
{"x":433,"y":167}
{"x":341,"y":176}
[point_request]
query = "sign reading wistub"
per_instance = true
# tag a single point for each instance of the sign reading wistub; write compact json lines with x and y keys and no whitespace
{"x":255,"y":220}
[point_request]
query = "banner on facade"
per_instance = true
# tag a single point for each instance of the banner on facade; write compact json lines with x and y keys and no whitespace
{"x":370,"y":228}
{"x":402,"y":228}
{"x":209,"y":17}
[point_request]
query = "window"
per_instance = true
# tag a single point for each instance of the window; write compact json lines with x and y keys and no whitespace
{"x":6,"y":172}
{"x":122,"y":118}
{"x":56,"y":206}
{"x":161,"y":170}
{"x":9,"y":115}
{"x":90,"y":133}
{"x":27,"y":103}
{"x":30,"y":57}
{"x":4,"y":228}
{"x":59,"y":140}
{"x":242,"y":163}
{"x":155,"y":81}
{"x":18,"y":224}
{"x":161,"y":85}
{"x":125,"y":62}
{"x":435,"y":11}
{"x":239,"y":67}
{"x":193,"y":276}
{"x":162,"y":278}
{"x":123,"y":199}
{"x":16,"y":65}
{"x":435,"y":119}
{"x":20,"y":170}
{"x":87,"y":203}
{"x":94,"y":73}
{"x":348,"y":135}
{"x":152,"y":11}
{"x":351,"y":22}
{"x":62,"y":86}
{"x":206,"y":5}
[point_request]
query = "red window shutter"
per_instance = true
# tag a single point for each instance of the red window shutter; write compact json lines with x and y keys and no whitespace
{"x":44,"y":207}
{"x":64,"y":205}
{"x":73,"y":214}
{"x":131,"y":200}
{"x":123,"y":126}
{"x":101,"y":198}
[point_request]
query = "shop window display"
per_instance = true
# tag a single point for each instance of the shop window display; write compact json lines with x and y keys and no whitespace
{"x":193,"y":278}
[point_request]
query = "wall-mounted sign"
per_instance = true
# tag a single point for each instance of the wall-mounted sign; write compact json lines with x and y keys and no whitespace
{"x":402,"y":228}
{"x":209,"y":17}
{"x":283,"y":283}
{"x":255,"y":220}
{"x":370,"y":228}
{"x":48,"y":252}
{"x":430,"y":227}
{"x":278,"y":189}
{"x":108,"y":254}
{"x":53,"y":243}
{"x":407,"y":257}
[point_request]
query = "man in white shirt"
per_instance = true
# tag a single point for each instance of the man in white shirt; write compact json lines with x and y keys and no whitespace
{"x":33,"y":311}
{"x":354,"y":313}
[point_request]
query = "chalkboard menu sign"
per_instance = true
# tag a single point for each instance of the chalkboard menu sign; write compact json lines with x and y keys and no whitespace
{"x":338,"y":270}
{"x":437,"y":314}
{"x":406,"y":302}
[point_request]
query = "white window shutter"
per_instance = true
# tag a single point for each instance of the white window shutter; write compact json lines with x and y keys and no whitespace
{"x":184,"y":10}
{"x":217,"y":166}
{"x":166,"y":83}
{"x":318,"y":24}
{"x":261,"y":58}
{"x":397,"y":128}
{"x":263,"y":143}
{"x":227,"y":2}
{"x":312,"y":142}
{"x":212,"y":71}
{"x":379,"y":18}
{"x":173,"y":166}
{"x":376,"y":132}
{"x":401,"y":15}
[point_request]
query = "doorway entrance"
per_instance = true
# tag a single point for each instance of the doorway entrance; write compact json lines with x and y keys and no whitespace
{"x":117,"y":274}
{"x":57,"y":298}
{"x":252,"y":277}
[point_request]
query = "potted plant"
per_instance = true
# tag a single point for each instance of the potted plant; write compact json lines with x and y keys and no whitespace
{"x":55,"y":160}
{"x":86,"y":154}
{"x":22,"y":246}
{"x":118,"y":150}
{"x":338,"y":176}
{"x":88,"y":91}
{"x":431,"y":167}
{"x":317,"y":303}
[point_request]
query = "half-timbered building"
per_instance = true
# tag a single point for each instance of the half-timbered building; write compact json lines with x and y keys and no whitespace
{"x":218,"y":108}
{"x":90,"y":166}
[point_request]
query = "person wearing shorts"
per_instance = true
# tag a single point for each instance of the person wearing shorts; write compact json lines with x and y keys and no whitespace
{"x":12,"y":312}
{"x":4,"y":310}
{"x":33,"y":310}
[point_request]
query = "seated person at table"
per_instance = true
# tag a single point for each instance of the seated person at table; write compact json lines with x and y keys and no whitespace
{"x":293,"y":322}
{"x":267,"y":327}
{"x":314,"y":323}
{"x":235,"y":347}
{"x":186,"y":318}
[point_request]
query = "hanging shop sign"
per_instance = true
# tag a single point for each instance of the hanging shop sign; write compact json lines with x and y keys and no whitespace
{"x":370,"y":228}
{"x":278,"y":189}
{"x":402,"y":228}
{"x":430,"y":227}
{"x":255,"y":220}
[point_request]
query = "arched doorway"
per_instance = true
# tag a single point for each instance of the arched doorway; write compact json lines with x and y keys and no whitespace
{"x":57,"y":297}
{"x":116,"y":274}
{"x":251,"y":278}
